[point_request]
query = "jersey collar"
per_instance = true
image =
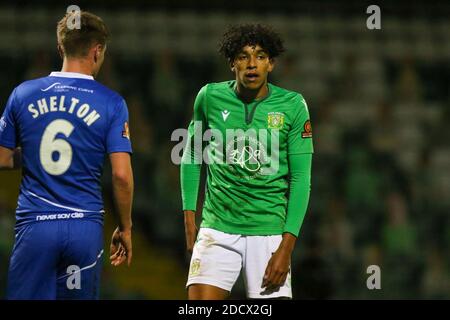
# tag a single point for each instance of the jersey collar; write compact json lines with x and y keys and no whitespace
{"x":233,"y":86}
{"x":70,"y":75}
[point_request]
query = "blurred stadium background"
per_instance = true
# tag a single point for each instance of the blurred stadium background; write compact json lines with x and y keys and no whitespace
{"x":380,"y":107}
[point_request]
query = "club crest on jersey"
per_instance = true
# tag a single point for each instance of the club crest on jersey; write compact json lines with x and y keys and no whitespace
{"x":126,"y":131}
{"x":275,"y":120}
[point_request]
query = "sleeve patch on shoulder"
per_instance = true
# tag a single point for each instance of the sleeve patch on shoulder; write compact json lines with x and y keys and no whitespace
{"x":307,"y":130}
{"x":2,"y":124}
{"x":126,"y":131}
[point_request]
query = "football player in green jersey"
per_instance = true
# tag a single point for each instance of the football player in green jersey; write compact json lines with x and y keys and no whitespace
{"x":257,"y":139}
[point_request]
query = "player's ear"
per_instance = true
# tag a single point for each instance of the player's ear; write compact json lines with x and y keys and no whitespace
{"x":271,"y":64}
{"x":232,"y":67}
{"x":97,"y":52}
{"x":60,"y":51}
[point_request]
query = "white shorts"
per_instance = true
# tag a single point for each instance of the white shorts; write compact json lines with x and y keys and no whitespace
{"x":218,"y":258}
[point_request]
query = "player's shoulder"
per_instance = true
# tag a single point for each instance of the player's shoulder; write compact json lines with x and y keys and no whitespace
{"x":107,"y":92}
{"x":286,"y":96}
{"x":218,"y":87}
{"x":30,"y":86}
{"x":47,"y":83}
{"x":282,"y":93}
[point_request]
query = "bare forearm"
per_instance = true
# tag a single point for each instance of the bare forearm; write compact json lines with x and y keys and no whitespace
{"x":190,"y":229}
{"x":123,"y":195}
{"x":189,"y":217}
{"x":10,"y":159}
{"x":17,"y":158}
{"x":6,"y":164}
{"x":288,"y":242}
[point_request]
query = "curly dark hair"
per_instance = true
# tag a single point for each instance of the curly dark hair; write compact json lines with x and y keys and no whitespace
{"x":239,"y":36}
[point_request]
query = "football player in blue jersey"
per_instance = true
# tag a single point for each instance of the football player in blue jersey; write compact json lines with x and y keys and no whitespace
{"x":63,"y":126}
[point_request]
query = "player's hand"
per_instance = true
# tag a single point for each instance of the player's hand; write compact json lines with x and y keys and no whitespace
{"x":279,"y":264}
{"x":190,"y":229}
{"x":277,"y":270}
{"x":121,"y":247}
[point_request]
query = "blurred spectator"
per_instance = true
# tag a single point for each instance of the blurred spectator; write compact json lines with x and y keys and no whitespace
{"x":142,"y":137}
{"x":399,"y":234}
{"x":401,"y":250}
{"x":39,"y":66}
{"x":168,"y":217}
{"x":383,"y":137}
{"x":167,"y":88}
{"x":337,"y":232}
{"x":6,"y":240}
{"x":328,"y":130}
{"x":436,"y":278}
{"x":109,"y":75}
{"x":408,"y":87}
{"x":339,"y":246}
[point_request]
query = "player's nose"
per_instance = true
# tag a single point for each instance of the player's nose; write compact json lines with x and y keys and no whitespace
{"x":251,"y":63}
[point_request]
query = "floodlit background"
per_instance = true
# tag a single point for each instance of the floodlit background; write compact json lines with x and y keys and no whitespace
{"x":380,"y":108}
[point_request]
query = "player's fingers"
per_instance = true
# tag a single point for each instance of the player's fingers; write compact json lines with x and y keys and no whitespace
{"x":267,"y":274}
{"x":120,"y":256}
{"x":128,"y":250}
{"x":275,"y":279}
{"x":278,"y":281}
{"x":272,"y":281}
{"x":113,"y":260}
{"x":114,"y":256}
{"x":112,"y":249}
{"x":118,"y":261}
{"x":115,"y":243}
{"x":123,"y":253}
{"x":271,"y":286}
{"x":282,"y":280}
{"x":116,"y":252}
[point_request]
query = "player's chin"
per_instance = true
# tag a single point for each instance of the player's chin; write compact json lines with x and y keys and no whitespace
{"x":252,"y":85}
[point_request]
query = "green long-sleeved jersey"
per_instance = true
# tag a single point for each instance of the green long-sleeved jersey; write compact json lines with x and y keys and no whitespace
{"x":252,"y":150}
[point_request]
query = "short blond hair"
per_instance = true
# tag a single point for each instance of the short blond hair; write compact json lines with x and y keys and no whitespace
{"x":77,"y":42}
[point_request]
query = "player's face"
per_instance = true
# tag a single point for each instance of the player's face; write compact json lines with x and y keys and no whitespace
{"x":251,"y":67}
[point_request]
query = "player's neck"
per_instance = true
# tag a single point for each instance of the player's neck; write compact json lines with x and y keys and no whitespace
{"x":78,"y":66}
{"x":248,"y":95}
